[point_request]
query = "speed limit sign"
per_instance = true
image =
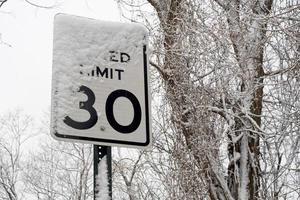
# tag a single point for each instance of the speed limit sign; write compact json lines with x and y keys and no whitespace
{"x":100,"y":89}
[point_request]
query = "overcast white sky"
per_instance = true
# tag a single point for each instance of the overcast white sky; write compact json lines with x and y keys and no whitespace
{"x":26,"y":49}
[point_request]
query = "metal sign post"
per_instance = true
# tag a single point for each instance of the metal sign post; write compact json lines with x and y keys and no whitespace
{"x":99,"y":153}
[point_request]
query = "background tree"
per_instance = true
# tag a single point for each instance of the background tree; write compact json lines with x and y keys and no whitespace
{"x":59,"y":170}
{"x":229,"y":73}
{"x":54,"y":170}
{"x":15,"y":129}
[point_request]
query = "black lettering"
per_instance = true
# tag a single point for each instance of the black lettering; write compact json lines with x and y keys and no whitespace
{"x":124,"y":57}
{"x":111,"y":73}
{"x":80,"y":70}
{"x":102,"y":73}
{"x":85,"y":105}
{"x":119,"y":73}
{"x":109,"y":108}
{"x":113,"y":56}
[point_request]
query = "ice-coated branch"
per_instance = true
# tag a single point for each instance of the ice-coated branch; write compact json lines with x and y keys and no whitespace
{"x":157,"y":67}
{"x":2,"y":2}
{"x":225,"y":194}
{"x":155,"y":4}
{"x":40,"y":6}
{"x":222,"y":3}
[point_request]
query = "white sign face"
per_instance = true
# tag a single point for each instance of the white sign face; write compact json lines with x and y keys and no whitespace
{"x":100,"y":82}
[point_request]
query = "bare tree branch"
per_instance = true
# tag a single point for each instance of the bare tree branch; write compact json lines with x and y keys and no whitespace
{"x":40,"y":6}
{"x":2,"y":2}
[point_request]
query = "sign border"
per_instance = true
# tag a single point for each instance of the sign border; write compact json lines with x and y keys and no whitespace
{"x":110,"y":142}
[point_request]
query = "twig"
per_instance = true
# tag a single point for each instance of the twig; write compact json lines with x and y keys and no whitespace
{"x":2,"y":2}
{"x":157,"y":67}
{"x":39,"y":6}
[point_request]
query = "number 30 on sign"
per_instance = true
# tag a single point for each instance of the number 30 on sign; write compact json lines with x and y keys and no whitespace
{"x":88,"y":106}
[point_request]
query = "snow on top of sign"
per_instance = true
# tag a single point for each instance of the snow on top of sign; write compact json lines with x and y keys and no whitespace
{"x":85,"y":42}
{"x":120,"y":33}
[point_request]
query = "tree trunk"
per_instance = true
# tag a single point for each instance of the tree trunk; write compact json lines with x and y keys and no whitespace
{"x":248,"y":36}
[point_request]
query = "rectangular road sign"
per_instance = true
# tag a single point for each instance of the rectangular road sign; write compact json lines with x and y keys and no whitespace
{"x":100,"y":89}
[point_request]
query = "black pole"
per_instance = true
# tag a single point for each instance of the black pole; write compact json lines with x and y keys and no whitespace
{"x":99,"y":153}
